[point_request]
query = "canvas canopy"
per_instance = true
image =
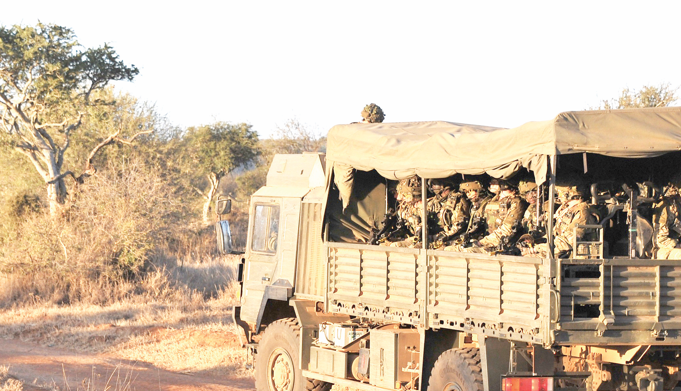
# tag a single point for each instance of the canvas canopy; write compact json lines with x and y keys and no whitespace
{"x":441,"y":149}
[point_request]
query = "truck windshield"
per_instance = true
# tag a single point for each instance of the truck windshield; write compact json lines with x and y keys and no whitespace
{"x":265,"y":228}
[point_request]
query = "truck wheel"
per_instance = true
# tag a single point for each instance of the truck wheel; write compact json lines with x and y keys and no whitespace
{"x":457,"y":370}
{"x":317,"y":385}
{"x":276,"y":363}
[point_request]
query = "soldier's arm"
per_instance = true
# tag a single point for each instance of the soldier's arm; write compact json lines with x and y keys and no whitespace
{"x":564,"y":241}
{"x":662,"y":237}
{"x":674,"y":218}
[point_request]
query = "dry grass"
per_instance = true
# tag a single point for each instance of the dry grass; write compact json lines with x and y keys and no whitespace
{"x":8,"y":383}
{"x":114,"y":381}
{"x":187,"y":327}
{"x":125,"y":273}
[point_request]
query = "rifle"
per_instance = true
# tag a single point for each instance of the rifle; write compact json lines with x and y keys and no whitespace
{"x":391,"y":224}
{"x":474,"y":227}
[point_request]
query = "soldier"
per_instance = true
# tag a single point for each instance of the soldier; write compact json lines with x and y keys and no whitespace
{"x":573,"y":211}
{"x":503,"y":214}
{"x":372,"y":113}
{"x":532,"y":226}
{"x":494,"y":186}
{"x":408,"y":232}
{"x":476,"y":227}
{"x":451,"y":211}
{"x":667,"y":225}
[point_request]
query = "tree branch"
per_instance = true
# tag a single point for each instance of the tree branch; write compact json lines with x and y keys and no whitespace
{"x":89,"y":167}
{"x":43,"y":126}
{"x":29,"y":151}
{"x":129,"y":141}
{"x":200,"y":192}
{"x":64,"y":175}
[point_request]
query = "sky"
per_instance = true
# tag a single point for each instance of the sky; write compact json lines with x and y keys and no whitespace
{"x":496,"y":63}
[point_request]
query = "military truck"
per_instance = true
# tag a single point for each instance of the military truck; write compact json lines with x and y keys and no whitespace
{"x":321,"y":306}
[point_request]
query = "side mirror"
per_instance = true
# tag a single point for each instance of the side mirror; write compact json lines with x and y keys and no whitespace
{"x":223,"y":205}
{"x":224,"y":237}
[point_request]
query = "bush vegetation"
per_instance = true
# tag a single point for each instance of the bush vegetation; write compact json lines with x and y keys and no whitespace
{"x":121,"y":224}
{"x":131,"y":231}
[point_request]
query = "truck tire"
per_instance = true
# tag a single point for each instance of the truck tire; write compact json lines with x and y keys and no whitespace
{"x":457,"y":370}
{"x":277,"y":361}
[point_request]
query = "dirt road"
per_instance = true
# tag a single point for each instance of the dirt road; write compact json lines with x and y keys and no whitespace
{"x":44,"y":368}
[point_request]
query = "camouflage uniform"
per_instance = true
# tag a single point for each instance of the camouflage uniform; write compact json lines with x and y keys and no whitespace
{"x":667,"y":227}
{"x":409,"y":212}
{"x":452,"y":212}
{"x":504,"y":217}
{"x":530,"y":219}
{"x":476,"y":225}
{"x":529,"y":191}
{"x":567,"y":217}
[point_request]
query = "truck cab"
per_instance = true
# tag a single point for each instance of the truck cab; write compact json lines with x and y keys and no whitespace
{"x":284,"y":246}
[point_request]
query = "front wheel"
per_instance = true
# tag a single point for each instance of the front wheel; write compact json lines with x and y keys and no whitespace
{"x":277,"y":361}
{"x":457,"y":370}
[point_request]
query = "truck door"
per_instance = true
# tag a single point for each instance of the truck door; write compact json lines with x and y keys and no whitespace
{"x":262,"y":254}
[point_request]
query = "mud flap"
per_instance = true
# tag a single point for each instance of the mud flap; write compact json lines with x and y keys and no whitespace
{"x":494,"y":357}
{"x":242,"y":327}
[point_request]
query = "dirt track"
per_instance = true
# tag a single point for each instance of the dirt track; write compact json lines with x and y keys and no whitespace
{"x":53,"y":368}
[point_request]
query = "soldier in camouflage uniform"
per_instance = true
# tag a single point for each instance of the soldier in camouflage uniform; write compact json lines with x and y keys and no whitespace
{"x":528,"y":190}
{"x":503,"y":214}
{"x":451,"y":211}
{"x":476,"y":227}
{"x":494,"y":187}
{"x":409,"y":212}
{"x":536,"y":229}
{"x":372,"y":113}
{"x":573,"y":211}
{"x":667,"y":225}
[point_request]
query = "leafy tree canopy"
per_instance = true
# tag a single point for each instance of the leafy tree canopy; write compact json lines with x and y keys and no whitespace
{"x":216,"y":150}
{"x":221,"y":147}
{"x":47,"y":82}
{"x":647,"y":96}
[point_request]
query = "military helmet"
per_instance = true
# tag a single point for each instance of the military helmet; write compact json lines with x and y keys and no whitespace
{"x":671,"y":190}
{"x":506,"y":185}
{"x":648,"y":189}
{"x":576,"y":191}
{"x":437,"y":185}
{"x":373,"y":113}
{"x":409,"y":187}
{"x":525,"y":187}
{"x":470,"y":185}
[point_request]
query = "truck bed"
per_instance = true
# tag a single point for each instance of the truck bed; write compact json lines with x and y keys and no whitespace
{"x":542,"y":301}
{"x":502,"y":296}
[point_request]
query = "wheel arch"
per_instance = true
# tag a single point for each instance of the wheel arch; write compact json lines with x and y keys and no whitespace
{"x":275,"y":304}
{"x":433,"y":344}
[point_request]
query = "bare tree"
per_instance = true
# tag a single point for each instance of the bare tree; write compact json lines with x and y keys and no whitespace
{"x":295,"y":137}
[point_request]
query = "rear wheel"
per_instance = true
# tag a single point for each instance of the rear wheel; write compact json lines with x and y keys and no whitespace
{"x":277,"y":362}
{"x":457,"y":370}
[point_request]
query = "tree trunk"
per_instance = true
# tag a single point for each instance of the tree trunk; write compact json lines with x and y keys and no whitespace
{"x":56,"y":196}
{"x":56,"y":188}
{"x":208,"y":196}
